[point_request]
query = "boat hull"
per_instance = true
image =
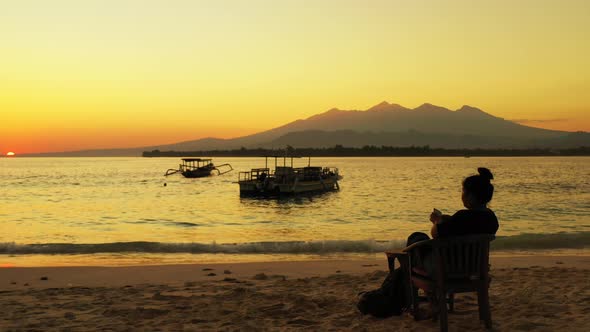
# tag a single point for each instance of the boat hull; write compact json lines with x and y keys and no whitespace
{"x":196,"y":173}
{"x":262,"y":188}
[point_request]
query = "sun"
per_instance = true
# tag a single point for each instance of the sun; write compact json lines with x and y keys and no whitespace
{"x":10,"y":154}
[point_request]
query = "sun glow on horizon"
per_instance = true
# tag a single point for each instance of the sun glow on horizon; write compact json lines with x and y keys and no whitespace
{"x":10,"y":154}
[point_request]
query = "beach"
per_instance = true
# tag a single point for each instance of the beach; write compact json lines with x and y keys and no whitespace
{"x":246,"y":165}
{"x":528,"y":292}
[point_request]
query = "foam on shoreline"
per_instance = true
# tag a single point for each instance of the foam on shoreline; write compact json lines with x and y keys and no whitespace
{"x":578,"y":240}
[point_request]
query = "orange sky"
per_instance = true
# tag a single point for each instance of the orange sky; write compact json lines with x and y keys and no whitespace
{"x":104,"y":74}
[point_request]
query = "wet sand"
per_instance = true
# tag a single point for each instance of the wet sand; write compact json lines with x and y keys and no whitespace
{"x":544,"y":293}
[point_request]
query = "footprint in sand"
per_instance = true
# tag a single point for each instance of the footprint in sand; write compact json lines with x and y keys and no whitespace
{"x":279,"y":277}
{"x":274,"y":309}
{"x":528,"y":326}
{"x":301,"y":321}
{"x":260,"y":276}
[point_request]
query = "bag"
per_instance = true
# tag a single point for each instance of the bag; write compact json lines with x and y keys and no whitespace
{"x":388,"y":300}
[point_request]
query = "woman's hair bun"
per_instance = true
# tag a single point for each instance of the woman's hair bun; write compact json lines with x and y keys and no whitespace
{"x":485,"y":173}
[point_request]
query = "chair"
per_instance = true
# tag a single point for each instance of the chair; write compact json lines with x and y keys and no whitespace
{"x":460,"y":264}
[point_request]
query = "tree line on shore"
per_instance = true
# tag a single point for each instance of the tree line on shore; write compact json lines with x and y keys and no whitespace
{"x":373,"y":151}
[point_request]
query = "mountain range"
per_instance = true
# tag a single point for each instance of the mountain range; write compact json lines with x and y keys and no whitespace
{"x":383,"y":124}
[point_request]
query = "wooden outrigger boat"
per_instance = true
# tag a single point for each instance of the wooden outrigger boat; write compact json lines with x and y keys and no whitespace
{"x":286,"y":179}
{"x":197,"y":168}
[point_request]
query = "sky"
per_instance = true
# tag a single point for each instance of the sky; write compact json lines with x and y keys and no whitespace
{"x":105,"y":74}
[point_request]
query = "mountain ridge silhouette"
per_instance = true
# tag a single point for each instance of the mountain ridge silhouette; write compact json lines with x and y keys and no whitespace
{"x":386,"y":124}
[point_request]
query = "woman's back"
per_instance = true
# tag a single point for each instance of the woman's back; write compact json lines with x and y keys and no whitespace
{"x":469,"y":221}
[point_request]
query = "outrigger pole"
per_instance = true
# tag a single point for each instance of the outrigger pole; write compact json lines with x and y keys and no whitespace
{"x":171,"y":171}
{"x":220,"y":172}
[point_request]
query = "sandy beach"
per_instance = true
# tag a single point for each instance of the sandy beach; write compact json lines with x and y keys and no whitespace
{"x":541,"y":293}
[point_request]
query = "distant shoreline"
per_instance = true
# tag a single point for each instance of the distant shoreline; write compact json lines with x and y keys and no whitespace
{"x":336,"y":151}
{"x":374,"y":151}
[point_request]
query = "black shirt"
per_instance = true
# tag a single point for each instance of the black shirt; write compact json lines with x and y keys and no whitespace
{"x":467,"y":222}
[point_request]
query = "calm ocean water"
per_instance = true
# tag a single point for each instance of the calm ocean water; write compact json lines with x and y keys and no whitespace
{"x":118,"y":211}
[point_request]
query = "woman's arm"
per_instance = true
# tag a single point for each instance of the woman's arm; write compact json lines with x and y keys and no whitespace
{"x":434,"y":229}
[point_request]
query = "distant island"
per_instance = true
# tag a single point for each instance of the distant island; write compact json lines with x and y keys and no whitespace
{"x":373,"y":151}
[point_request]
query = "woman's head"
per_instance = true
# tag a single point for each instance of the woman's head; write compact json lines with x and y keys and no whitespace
{"x":477,"y":189}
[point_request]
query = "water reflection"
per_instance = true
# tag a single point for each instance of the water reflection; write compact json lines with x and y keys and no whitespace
{"x":99,"y":200}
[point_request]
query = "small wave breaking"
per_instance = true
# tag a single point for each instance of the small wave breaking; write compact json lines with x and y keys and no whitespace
{"x":579,"y":240}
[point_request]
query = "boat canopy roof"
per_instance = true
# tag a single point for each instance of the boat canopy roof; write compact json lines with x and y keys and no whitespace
{"x":197,"y":159}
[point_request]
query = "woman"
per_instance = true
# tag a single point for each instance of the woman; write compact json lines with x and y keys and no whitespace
{"x":477,"y":218}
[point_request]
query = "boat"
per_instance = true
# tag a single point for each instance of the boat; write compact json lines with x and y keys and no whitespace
{"x":198,"y":168}
{"x":285,"y":179}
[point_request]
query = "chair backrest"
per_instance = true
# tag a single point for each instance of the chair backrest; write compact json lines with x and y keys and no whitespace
{"x":463,"y":257}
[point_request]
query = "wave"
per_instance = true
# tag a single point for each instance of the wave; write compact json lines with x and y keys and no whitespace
{"x":518,"y":242}
{"x":579,"y":240}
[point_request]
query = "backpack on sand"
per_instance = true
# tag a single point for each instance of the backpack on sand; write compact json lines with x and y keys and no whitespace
{"x":388,"y":300}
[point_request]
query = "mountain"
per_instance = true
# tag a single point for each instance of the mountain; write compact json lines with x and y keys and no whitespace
{"x":426,"y":118}
{"x":383,"y":124}
{"x":395,"y":125}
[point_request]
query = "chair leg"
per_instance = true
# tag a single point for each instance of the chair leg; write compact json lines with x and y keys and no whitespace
{"x":442,"y":307}
{"x":483,"y":302}
{"x":451,"y":302}
{"x":415,"y":303}
{"x":434,"y":301}
{"x":480,"y":304}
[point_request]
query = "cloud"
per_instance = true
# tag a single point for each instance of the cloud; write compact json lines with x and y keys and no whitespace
{"x":533,"y":121}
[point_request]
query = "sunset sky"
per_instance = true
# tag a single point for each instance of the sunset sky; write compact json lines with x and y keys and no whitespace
{"x":125,"y":73}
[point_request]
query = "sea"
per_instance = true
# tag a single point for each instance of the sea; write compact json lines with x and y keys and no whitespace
{"x":124,"y":211}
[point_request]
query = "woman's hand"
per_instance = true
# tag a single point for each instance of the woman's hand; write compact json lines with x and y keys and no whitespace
{"x":436,"y":216}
